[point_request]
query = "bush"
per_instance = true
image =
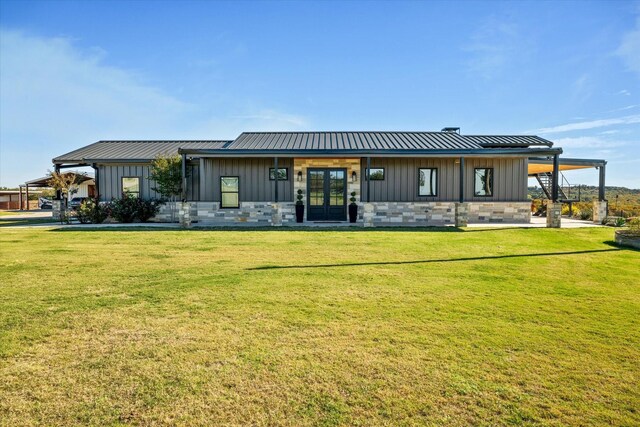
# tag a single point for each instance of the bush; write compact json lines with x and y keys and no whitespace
{"x":585,"y":214}
{"x":124,"y":209}
{"x":129,"y":208}
{"x":92,"y":212}
{"x":634,"y":226}
{"x":147,"y":209}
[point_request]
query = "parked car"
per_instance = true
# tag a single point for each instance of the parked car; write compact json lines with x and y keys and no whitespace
{"x":76,"y":202}
{"x":45,"y":203}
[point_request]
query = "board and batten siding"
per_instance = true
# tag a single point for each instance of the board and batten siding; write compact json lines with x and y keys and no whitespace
{"x":400,"y":182}
{"x":110,"y":180}
{"x":255,"y":185}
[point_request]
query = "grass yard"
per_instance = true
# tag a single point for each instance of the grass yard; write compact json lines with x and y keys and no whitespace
{"x":318,"y":327}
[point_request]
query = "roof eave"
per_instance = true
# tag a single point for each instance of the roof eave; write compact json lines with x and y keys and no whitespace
{"x":508,"y":152}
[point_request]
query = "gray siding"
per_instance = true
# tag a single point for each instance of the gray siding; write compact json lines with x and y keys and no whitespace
{"x":254,"y":179}
{"x":401,"y":179}
{"x":110,"y":180}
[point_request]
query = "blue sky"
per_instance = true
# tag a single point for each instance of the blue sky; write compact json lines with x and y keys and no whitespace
{"x":72,"y":73}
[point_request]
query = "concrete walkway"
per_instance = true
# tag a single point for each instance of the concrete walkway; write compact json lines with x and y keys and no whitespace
{"x":536,"y":222}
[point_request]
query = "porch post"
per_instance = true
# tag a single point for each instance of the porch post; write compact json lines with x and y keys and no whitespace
{"x":367,"y":176}
{"x":275,"y":175}
{"x":461,"y":189}
{"x":184,"y":177}
{"x":600,"y":209}
{"x":461,"y":212}
{"x":96,"y":180}
{"x":58,"y":192}
{"x":554,"y":187}
{"x":554,"y":209}
{"x":19,"y":198}
{"x":601,"y":195}
{"x":27,"y":187}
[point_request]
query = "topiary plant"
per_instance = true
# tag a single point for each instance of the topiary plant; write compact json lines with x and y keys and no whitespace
{"x":299,"y":202}
{"x":353,"y":198}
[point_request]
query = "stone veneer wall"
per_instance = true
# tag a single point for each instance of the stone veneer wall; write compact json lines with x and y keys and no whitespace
{"x":301,"y":165}
{"x":515,"y":212}
{"x":409,"y":213}
{"x":378,"y":213}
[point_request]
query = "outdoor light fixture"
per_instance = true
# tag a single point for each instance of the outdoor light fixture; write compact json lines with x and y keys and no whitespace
{"x":299,"y":176}
{"x":354,"y":176}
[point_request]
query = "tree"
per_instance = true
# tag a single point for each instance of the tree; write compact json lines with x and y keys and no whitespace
{"x":67,"y":183}
{"x":166,"y":172}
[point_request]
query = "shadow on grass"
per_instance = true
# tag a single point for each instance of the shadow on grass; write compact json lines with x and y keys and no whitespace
{"x":428,"y":261}
{"x":345,"y":229}
{"x":21,"y":222}
{"x":249,"y":228}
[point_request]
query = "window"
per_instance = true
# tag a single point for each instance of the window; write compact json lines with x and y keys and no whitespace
{"x":377,"y":174}
{"x":131,"y":185}
{"x":483,"y":182}
{"x":427,"y":182}
{"x":229,"y":188}
{"x":283,"y":174}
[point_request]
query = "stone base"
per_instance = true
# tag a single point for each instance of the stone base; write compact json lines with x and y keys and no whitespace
{"x":554,"y":215}
{"x":599,"y":211}
{"x":184,"y":215}
{"x":423,"y":214}
{"x":461,"y":214}
{"x":57,"y":210}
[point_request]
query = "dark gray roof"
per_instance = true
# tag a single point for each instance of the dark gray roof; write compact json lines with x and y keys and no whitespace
{"x":133,"y":150}
{"x":309,"y":143}
{"x":489,"y":141}
{"x":351,"y":141}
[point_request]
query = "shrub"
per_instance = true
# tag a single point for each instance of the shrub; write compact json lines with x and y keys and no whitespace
{"x":92,"y":212}
{"x":124,"y":209}
{"x":147,"y":209}
{"x":129,"y":208}
{"x":585,"y":214}
{"x":634,"y":226}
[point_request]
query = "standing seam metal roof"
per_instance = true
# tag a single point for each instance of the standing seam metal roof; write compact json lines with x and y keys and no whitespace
{"x":303,"y":141}
{"x":351,"y":141}
{"x":488,"y":141}
{"x":142,"y":150}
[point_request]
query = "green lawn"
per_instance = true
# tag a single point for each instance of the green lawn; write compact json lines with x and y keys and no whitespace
{"x":275,"y":327}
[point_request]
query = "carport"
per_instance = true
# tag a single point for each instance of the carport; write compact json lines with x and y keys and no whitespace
{"x":43,"y":183}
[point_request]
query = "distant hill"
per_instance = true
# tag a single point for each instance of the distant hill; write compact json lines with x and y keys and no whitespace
{"x":590,"y":192}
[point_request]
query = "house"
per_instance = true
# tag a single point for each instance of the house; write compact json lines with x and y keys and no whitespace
{"x":399,"y":178}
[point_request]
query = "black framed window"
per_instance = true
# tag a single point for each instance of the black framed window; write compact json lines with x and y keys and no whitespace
{"x":283,"y":174}
{"x":131,"y":185}
{"x":229,"y":192}
{"x":483,"y":182}
{"x":377,"y":174}
{"x":427,"y":182}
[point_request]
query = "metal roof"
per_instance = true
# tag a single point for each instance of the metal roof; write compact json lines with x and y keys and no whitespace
{"x":325,"y":141}
{"x":309,"y":143}
{"x":488,"y":141}
{"x":133,"y":150}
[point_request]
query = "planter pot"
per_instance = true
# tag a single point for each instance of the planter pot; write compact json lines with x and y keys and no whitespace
{"x":353,"y":213}
{"x":299,"y":213}
{"x":624,"y":238}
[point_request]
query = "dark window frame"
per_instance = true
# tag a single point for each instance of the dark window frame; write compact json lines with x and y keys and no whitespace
{"x":286,"y":174}
{"x":229,"y":192}
{"x":366,"y":175}
{"x":435,"y":188}
{"x":137,"y":193}
{"x":491,"y":182}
